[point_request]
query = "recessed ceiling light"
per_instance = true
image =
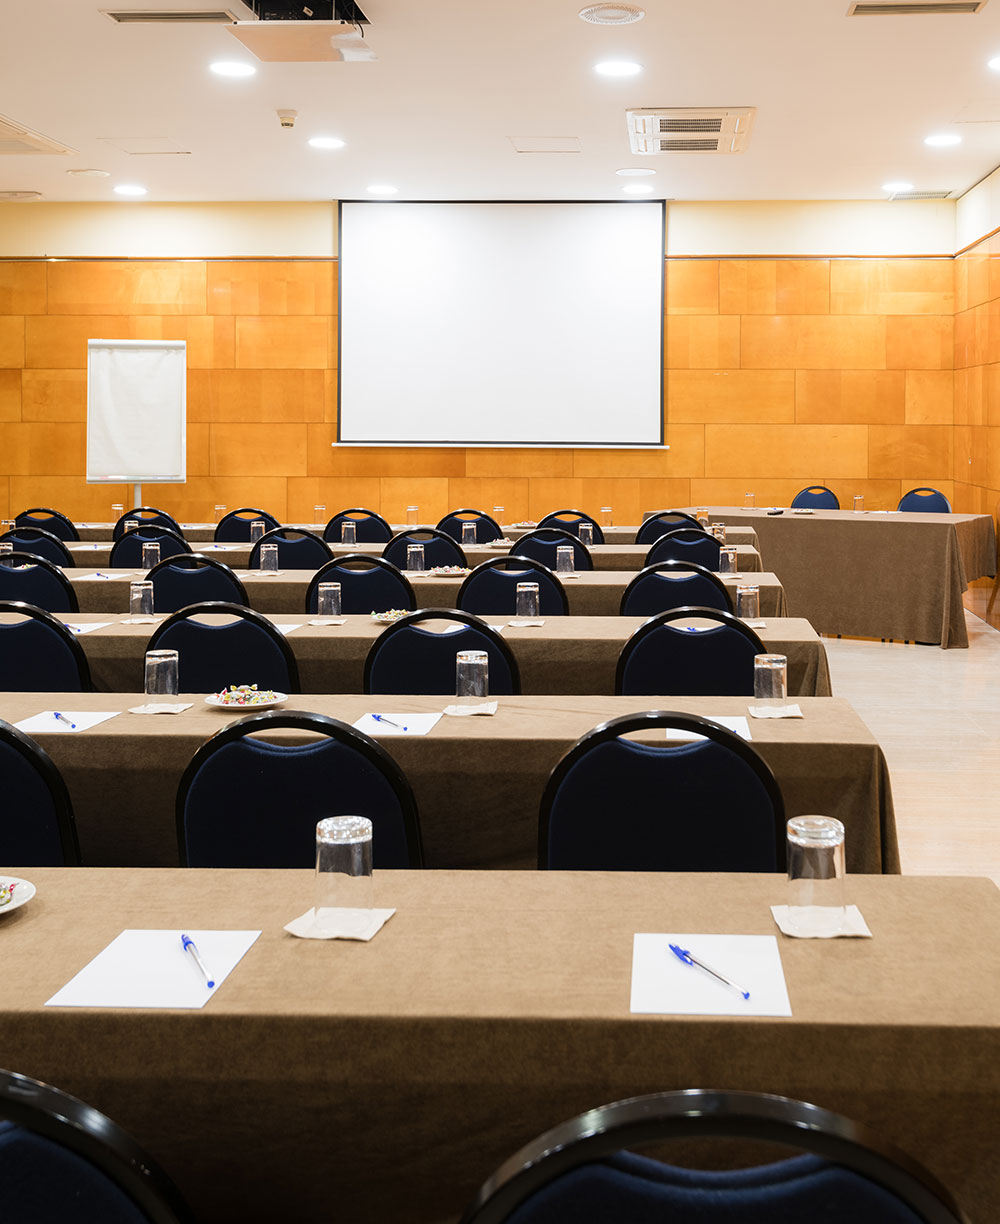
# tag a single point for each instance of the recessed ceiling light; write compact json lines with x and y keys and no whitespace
{"x":611,"y":14}
{"x":994,"y":63}
{"x":129,"y":189}
{"x":233,"y":68}
{"x":91,"y":173}
{"x":326,"y":142}
{"x":382,"y":189}
{"x":638,"y":189}
{"x":942,"y":140}
{"x":635,"y":171}
{"x":894,"y":188}
{"x":618,"y":68}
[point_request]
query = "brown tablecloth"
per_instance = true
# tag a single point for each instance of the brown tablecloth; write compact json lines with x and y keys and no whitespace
{"x":875,"y":575}
{"x":478,"y":781}
{"x":384,"y":1082}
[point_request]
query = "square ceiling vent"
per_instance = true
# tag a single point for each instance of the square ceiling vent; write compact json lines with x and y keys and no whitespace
{"x":907,"y":8}
{"x":16,"y":139}
{"x":690,"y":129}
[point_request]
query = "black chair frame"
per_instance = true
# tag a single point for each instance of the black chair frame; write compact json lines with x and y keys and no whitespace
{"x":282,"y":533}
{"x":923,"y":489}
{"x":27,"y":609}
{"x":683,"y":535}
{"x":15,"y":559}
{"x":480,"y":514}
{"x":513,"y":562}
{"x":162,"y":532}
{"x":552,"y":520}
{"x":43,"y":765}
{"x":425,"y":535}
{"x":699,"y":1114}
{"x":220,"y":607}
{"x":676,"y":567}
{"x":557,"y":536}
{"x":651,"y":625}
{"x":301,"y":720}
{"x":371,"y":563}
{"x":241,"y":510}
{"x":63,"y":518}
{"x":39,"y":533}
{"x":355,"y":510}
{"x":686,"y":520}
{"x":118,"y":529}
{"x":73,"y":1124}
{"x":815,"y":488}
{"x":196,"y":560}
{"x":649,"y":720}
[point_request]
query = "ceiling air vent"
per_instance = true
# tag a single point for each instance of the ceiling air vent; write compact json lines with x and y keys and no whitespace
{"x":16,"y":139}
{"x":690,"y":129}
{"x":920,"y":195}
{"x":872,"y":8}
{"x":19,"y":196}
{"x":169,"y":16}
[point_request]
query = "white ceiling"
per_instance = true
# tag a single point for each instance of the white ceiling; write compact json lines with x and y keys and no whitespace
{"x":843,"y":103}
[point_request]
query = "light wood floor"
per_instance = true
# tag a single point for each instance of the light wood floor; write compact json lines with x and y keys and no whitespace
{"x":936,"y":714}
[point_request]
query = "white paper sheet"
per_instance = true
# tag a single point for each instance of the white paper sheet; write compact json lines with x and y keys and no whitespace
{"x":152,"y":969}
{"x":221,"y":547}
{"x":258,"y":573}
{"x":664,"y":985}
{"x":406,"y":724}
{"x":78,"y":627}
{"x":84,"y":547}
{"x":285,"y":630}
{"x":99,"y":576}
{"x":47,"y":723}
{"x":735,"y":723}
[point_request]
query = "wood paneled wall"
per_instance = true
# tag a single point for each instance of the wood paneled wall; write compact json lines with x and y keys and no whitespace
{"x":779,"y":373}
{"x":977,"y":377}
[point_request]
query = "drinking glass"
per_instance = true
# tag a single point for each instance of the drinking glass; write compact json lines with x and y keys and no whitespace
{"x":770,"y":677}
{"x":415,"y":557}
{"x":130,"y":525}
{"x":219,"y":512}
{"x":117,"y":510}
{"x":564,"y":559}
{"x":7,"y":525}
{"x":719,"y":531}
{"x":150,"y":555}
{"x":606,"y":515}
{"x":161,"y":673}
{"x":6,"y":548}
{"x":587,"y":534}
{"x":701,"y":514}
{"x":498,"y":514}
{"x":257,"y":529}
{"x":816,"y":904}
{"x":472,"y":673}
{"x":748,"y":601}
{"x":269,"y":558}
{"x":319,"y":514}
{"x":349,"y":532}
{"x":468,"y":533}
{"x":328,"y":599}
{"x":412,"y":516}
{"x":859,"y":503}
{"x":140,"y":598}
{"x":749,"y":501}
{"x":727,"y":560}
{"x":343,"y":870}
{"x":526,"y":606}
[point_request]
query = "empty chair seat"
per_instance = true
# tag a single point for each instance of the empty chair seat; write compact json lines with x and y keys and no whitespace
{"x":145,"y":516}
{"x":369,"y":527}
{"x":191,"y":578}
{"x":126,"y":552}
{"x":816,"y":497}
{"x":33,"y":580}
{"x":38,"y":654}
{"x":234,"y":527}
{"x":570,"y":520}
{"x":367,"y":584}
{"x":674,"y":584}
{"x":662,"y":522}
{"x":297,"y":548}
{"x":686,"y":544}
{"x":543,"y":544}
{"x":408,"y":657}
{"x":439,"y":548}
{"x":667,"y":655}
{"x":40,"y":543}
{"x":52,"y":521}
{"x":491,"y":588}
{"x":37,"y":828}
{"x":926,"y":500}
{"x":487,"y":528}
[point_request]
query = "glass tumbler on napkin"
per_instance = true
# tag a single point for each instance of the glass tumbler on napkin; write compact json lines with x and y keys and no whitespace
{"x":719,"y":531}
{"x":727,"y":560}
{"x":607,"y":513}
{"x":140,"y":598}
{"x":587,"y":534}
{"x":816,"y":904}
{"x":257,"y":529}
{"x":349,"y":532}
{"x":472,"y":676}
{"x":859,"y":503}
{"x":498,"y":514}
{"x":748,"y":601}
{"x":526,"y":606}
{"x":219,"y":512}
{"x":161,"y":673}
{"x":328,"y":599}
{"x":269,"y":558}
{"x":343,"y":870}
{"x":468,"y":533}
{"x":415,"y":558}
{"x":150,"y":555}
{"x":564,"y":559}
{"x":117,"y":510}
{"x":319,"y":514}
{"x":749,"y":501}
{"x":770,"y":677}
{"x":412,"y":516}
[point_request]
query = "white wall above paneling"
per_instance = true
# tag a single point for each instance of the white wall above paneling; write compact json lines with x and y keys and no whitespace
{"x":978,"y":211}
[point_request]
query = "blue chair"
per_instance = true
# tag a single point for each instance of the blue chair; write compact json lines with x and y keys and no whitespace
{"x":439,"y":548}
{"x":925,"y":500}
{"x":62,"y":1160}
{"x":686,"y":544}
{"x":39,"y":654}
{"x":234,"y":527}
{"x":52,"y":521}
{"x":192,"y":578}
{"x":663,"y":656}
{"x":674,"y":584}
{"x":41,"y":544}
{"x":570,"y":520}
{"x":126,"y":551}
{"x":33,"y":580}
{"x":491,"y":588}
{"x":711,"y":805}
{"x":487,"y":528}
{"x":37,"y":828}
{"x":662,"y":522}
{"x":285,"y":788}
{"x":298,"y":548}
{"x":246,"y":650}
{"x":581,"y":1170}
{"x":541,"y":545}
{"x":369,"y":527}
{"x":406,"y":658}
{"x":367,"y":584}
{"x":816,"y":497}
{"x":146,"y":516}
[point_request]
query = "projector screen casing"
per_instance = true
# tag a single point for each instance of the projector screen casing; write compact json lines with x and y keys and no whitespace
{"x":501,"y":323}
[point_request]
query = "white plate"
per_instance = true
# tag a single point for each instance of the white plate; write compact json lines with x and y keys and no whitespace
{"x":22,"y":894}
{"x":279,"y":699}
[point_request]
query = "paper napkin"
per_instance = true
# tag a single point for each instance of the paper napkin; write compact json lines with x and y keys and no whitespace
{"x":483,"y":707}
{"x":348,"y":924}
{"x":776,"y":711}
{"x":854,"y":925}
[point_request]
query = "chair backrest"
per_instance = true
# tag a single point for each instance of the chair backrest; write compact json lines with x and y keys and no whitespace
{"x":570,"y":520}
{"x":541,"y":545}
{"x":686,"y":544}
{"x":248,"y":649}
{"x":661,"y":522}
{"x":147,"y":516}
{"x":816,"y":497}
{"x":39,"y":654}
{"x":582,"y":1170}
{"x":52,"y":521}
{"x":408,"y":658}
{"x":370,"y":528}
{"x":61,"y":1159}
{"x":665,"y":656}
{"x":367,"y":584}
{"x":674,"y":584}
{"x":491,"y":588}
{"x":192,"y":578}
{"x":487,"y":528}
{"x":710,"y":805}
{"x":343,"y":772}
{"x":42,"y":544}
{"x":234,"y":527}
{"x":37,"y":828}
{"x":927,"y":500}
{"x":32,"y":579}
{"x":439,"y":548}
{"x":126,"y":551}
{"x":298,"y":548}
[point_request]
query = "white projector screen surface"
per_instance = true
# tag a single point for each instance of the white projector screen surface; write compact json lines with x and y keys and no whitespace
{"x":511,"y":324}
{"x":136,"y":411}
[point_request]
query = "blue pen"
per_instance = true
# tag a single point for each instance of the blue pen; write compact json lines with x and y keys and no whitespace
{"x":388,"y":722}
{"x":683,"y":955}
{"x":187,"y":943}
{"x":63,"y":718}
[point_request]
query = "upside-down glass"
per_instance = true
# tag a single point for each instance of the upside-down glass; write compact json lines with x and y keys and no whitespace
{"x":749,"y":500}
{"x":219,"y":512}
{"x":770,"y":677}
{"x":748,"y":601}
{"x":117,"y":510}
{"x":719,"y":531}
{"x":257,"y":529}
{"x":498,"y":514}
{"x":412,"y":516}
{"x":349,"y":532}
{"x":161,"y":673}
{"x":586,"y":534}
{"x":140,"y":598}
{"x":328,"y":599}
{"x":130,"y":525}
{"x":6,"y":548}
{"x":727,"y":560}
{"x":564,"y":559}
{"x":607,"y":513}
{"x":701,"y":514}
{"x":415,"y":558}
{"x":859,"y":503}
{"x":269,"y":558}
{"x":319,"y":514}
{"x":343,"y":870}
{"x":472,"y":676}
{"x":816,"y":884}
{"x":468,"y":533}
{"x":150,"y":555}
{"x":526,"y":605}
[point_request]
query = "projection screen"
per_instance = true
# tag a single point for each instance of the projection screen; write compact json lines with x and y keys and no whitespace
{"x":501,"y":324}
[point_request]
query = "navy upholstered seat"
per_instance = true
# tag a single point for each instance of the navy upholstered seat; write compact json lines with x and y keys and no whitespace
{"x":439,"y":548}
{"x":926,"y":500}
{"x":816,"y":497}
{"x":686,"y":544}
{"x":39,"y":654}
{"x":234,"y":527}
{"x":369,"y":527}
{"x":34,"y":580}
{"x":674,"y":584}
{"x":487,"y":528}
{"x":126,"y":552}
{"x":491,"y":588}
{"x":191,"y":578}
{"x":663,"y":521}
{"x":40,"y":543}
{"x":668,"y":655}
{"x":37,"y":828}
{"x":53,"y":521}
{"x":570,"y":520}
{"x":145,"y":516}
{"x":297,"y":548}
{"x":409,"y":658}
{"x":285,"y":788}
{"x":543,"y":543}
{"x":367,"y":584}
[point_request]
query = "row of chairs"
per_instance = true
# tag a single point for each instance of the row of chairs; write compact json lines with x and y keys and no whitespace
{"x":922,"y":500}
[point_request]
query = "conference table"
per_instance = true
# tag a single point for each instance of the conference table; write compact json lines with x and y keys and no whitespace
{"x":478,"y":781}
{"x":874,"y":574}
{"x":384,"y":1081}
{"x":564,"y":655}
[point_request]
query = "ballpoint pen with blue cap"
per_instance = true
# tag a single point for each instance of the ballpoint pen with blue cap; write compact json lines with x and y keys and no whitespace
{"x":688,"y":958}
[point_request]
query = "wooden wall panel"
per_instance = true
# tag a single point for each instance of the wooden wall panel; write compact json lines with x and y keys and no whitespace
{"x":976,"y":355}
{"x":272,"y":288}
{"x":10,"y":395}
{"x":121,"y":286}
{"x":22,"y":289}
{"x":774,"y":286}
{"x":11,"y":341}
